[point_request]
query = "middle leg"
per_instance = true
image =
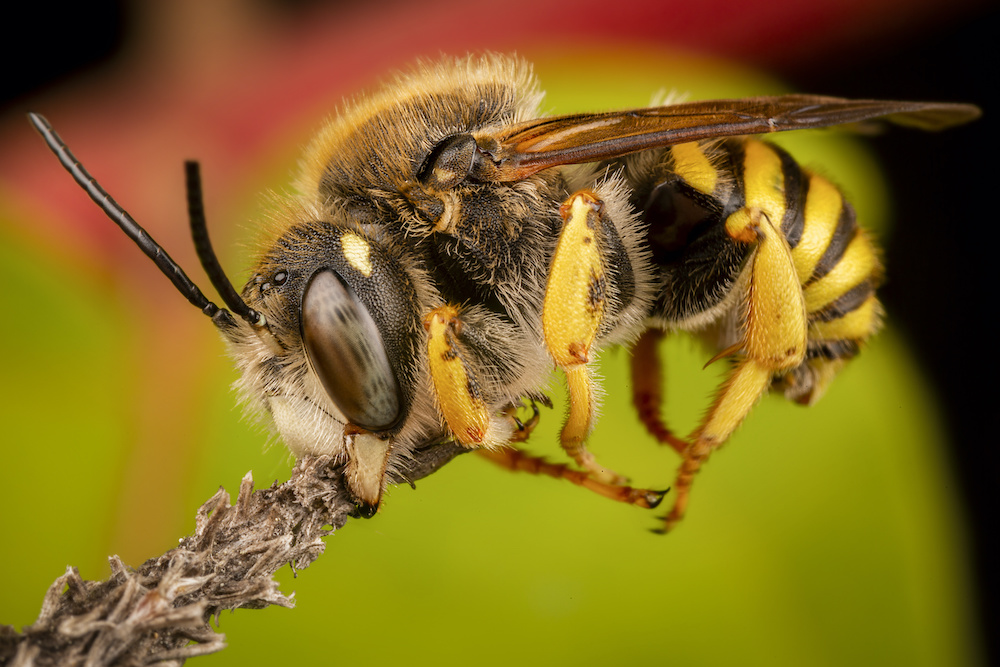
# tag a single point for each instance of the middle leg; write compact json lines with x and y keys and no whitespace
{"x":572,"y":314}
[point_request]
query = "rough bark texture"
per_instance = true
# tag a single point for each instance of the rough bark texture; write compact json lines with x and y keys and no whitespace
{"x":160,"y":612}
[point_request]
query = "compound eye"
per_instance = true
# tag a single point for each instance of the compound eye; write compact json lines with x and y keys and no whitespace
{"x":449,"y":163}
{"x":346,"y":351}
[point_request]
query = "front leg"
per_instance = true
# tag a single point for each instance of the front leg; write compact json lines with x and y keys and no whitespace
{"x":459,"y":392}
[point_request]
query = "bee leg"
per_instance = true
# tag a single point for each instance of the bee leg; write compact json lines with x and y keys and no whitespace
{"x":774,"y":341}
{"x":518,"y":461}
{"x":458,"y":390}
{"x":646,"y":389}
{"x":575,"y":300}
{"x":522,"y":430}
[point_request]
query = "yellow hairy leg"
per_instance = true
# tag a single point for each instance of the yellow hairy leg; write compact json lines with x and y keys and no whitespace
{"x":571,"y":316}
{"x":458,"y":392}
{"x":774,"y":338}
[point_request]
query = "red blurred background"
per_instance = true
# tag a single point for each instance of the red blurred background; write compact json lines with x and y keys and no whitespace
{"x":117,"y":70}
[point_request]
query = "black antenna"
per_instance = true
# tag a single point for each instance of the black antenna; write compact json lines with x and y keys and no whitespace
{"x":134,"y":231}
{"x":203,"y":245}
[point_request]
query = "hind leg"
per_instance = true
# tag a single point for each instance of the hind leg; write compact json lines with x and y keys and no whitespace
{"x":774,"y":341}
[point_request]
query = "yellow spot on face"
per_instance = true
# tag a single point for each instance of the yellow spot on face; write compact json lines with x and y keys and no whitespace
{"x":357,"y":252}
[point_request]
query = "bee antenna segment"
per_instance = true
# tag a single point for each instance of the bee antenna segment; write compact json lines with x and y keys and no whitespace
{"x":120,"y":217}
{"x":203,"y":245}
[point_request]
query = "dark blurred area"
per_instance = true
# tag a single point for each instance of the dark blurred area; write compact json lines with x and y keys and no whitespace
{"x":940,"y":256}
{"x":68,"y":41}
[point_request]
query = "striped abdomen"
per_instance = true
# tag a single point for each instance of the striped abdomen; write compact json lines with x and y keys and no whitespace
{"x":697,"y":186}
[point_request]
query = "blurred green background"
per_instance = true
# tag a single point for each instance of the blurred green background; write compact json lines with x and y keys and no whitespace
{"x":822,"y":536}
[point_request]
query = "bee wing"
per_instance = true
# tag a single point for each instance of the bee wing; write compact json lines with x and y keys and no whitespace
{"x":517,"y":151}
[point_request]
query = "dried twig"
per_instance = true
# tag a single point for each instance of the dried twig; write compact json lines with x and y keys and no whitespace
{"x":160,"y":612}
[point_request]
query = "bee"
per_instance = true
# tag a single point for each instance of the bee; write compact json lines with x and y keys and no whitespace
{"x":448,"y":246}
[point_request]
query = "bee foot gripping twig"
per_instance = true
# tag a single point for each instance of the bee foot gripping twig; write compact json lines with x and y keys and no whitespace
{"x":161,"y":610}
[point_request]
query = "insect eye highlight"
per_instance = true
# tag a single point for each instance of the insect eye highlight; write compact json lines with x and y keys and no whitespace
{"x":347,"y":353}
{"x":449,"y":163}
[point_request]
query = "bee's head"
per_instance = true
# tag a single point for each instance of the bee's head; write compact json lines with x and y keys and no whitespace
{"x":344,"y":306}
